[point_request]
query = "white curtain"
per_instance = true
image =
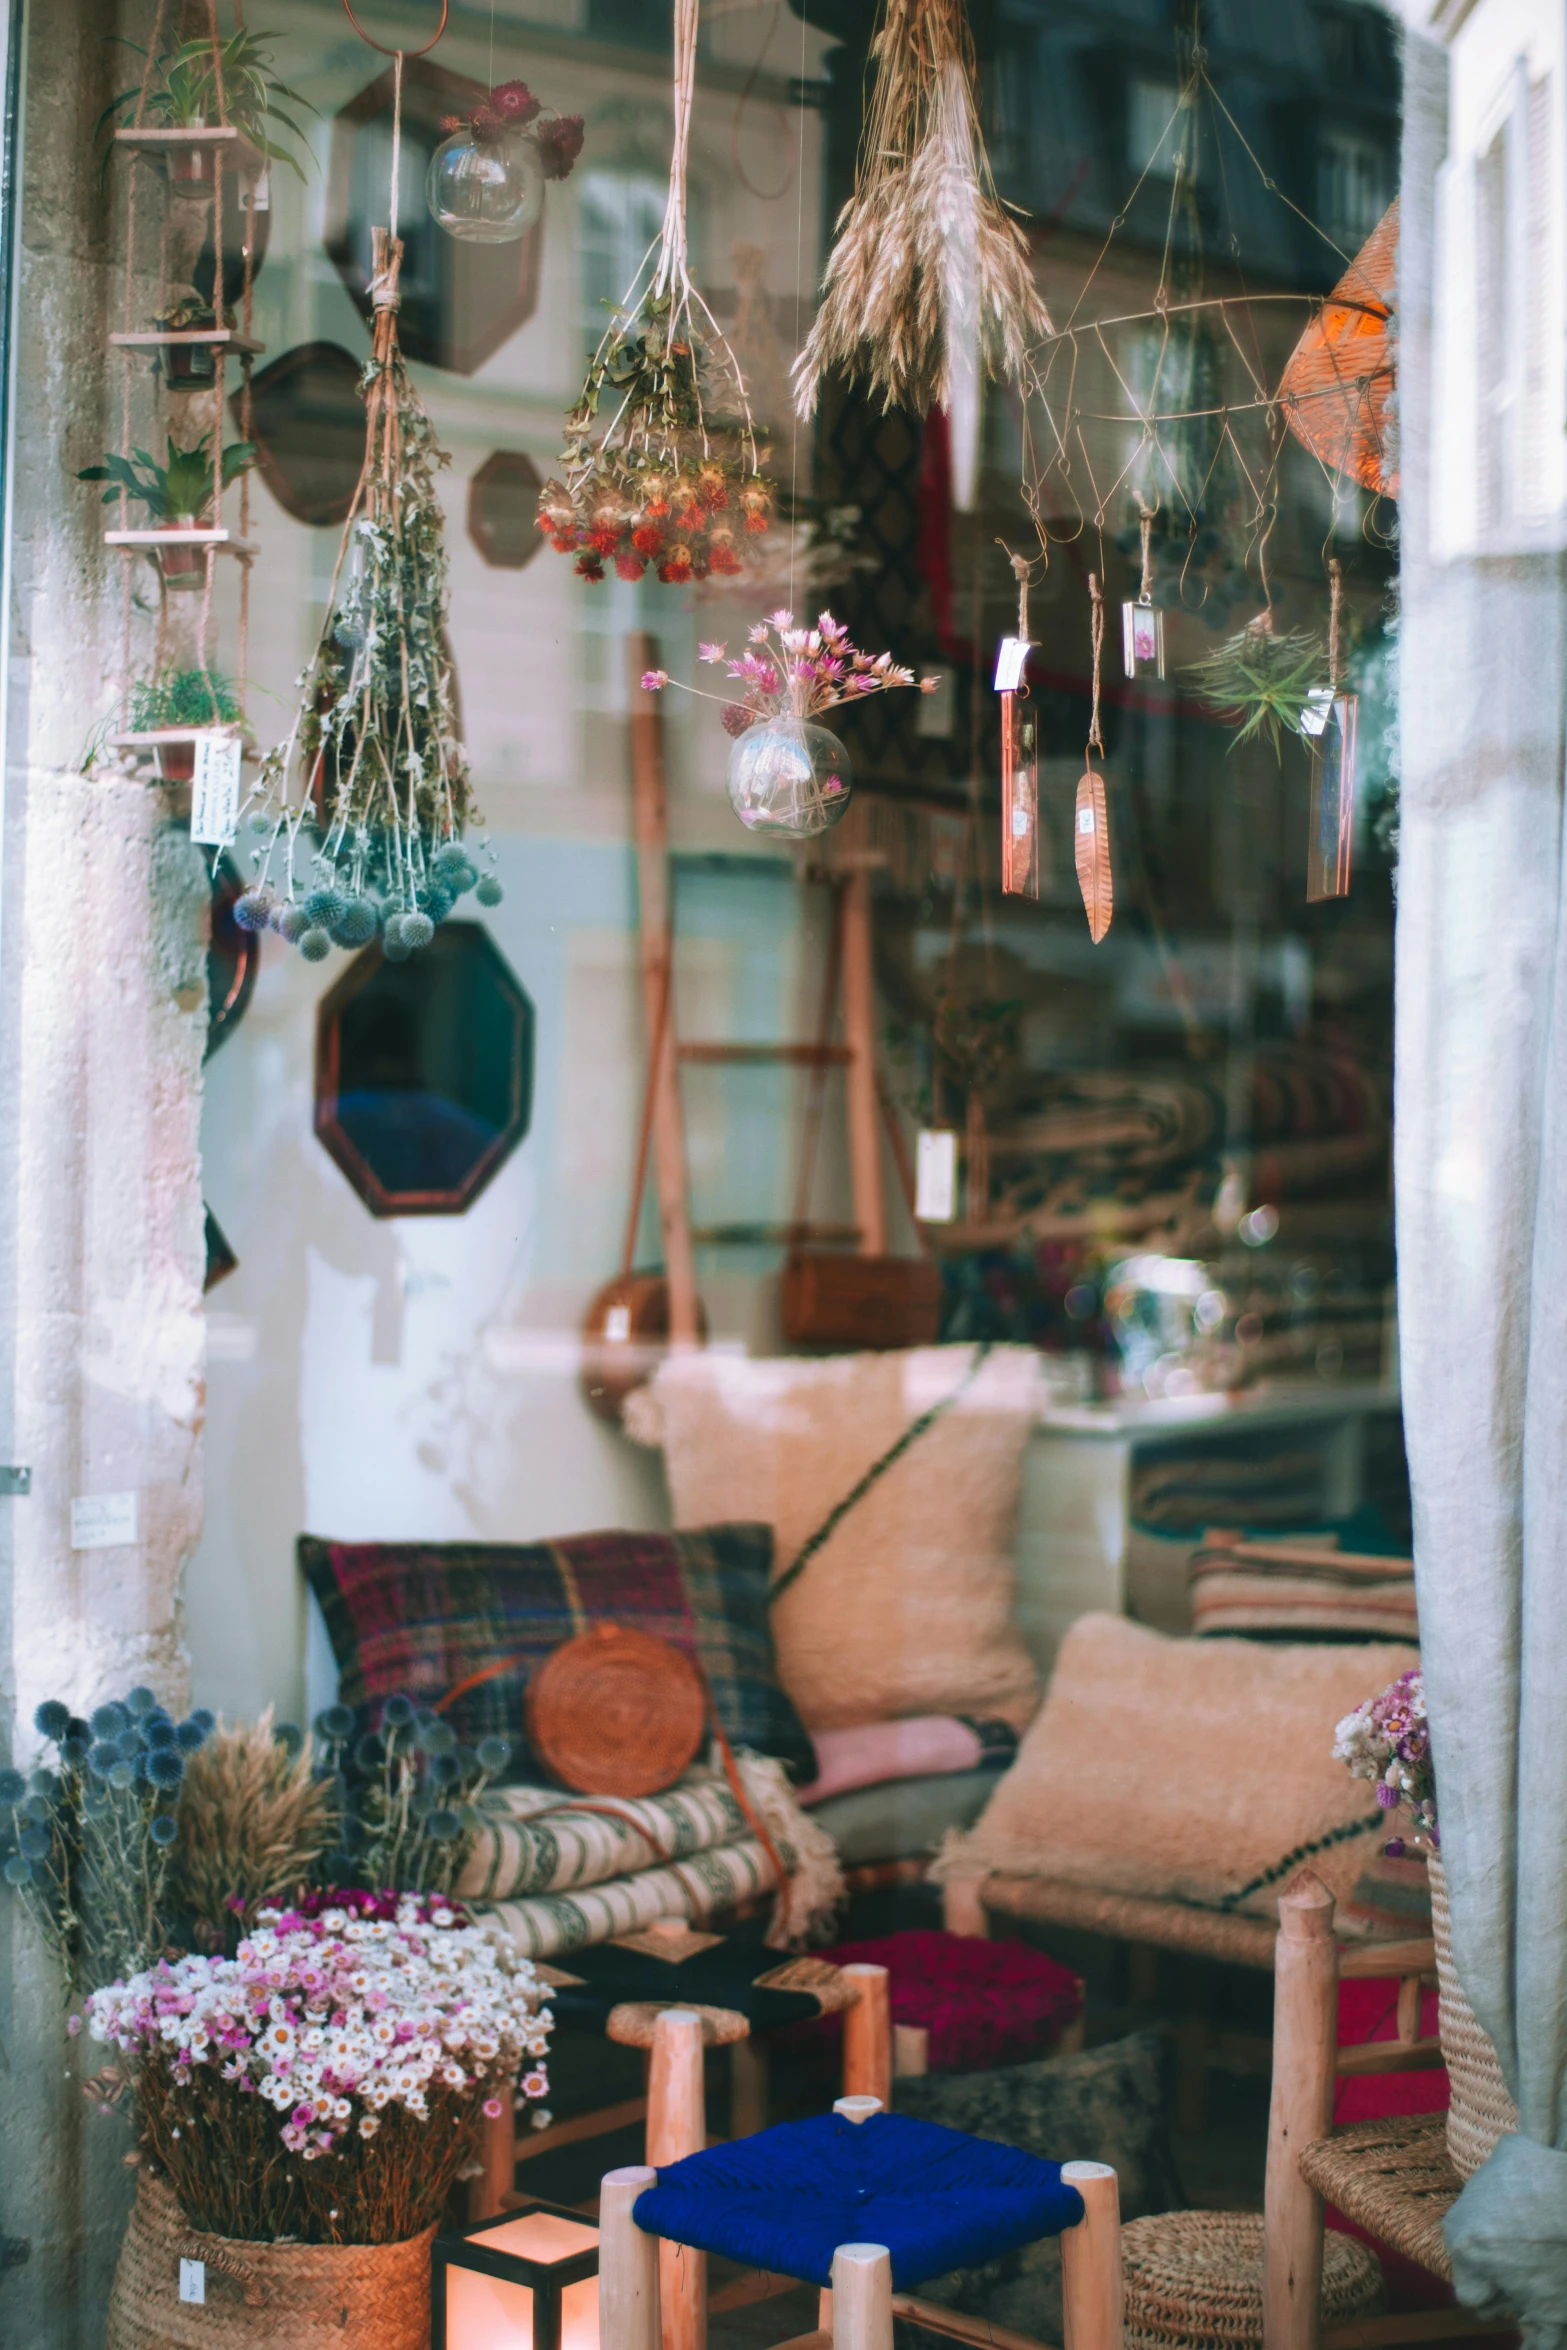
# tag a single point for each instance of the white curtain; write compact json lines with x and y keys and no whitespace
{"x":1481,"y":1172}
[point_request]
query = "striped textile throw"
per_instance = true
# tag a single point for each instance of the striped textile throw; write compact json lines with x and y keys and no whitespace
{"x":1303,"y":1589}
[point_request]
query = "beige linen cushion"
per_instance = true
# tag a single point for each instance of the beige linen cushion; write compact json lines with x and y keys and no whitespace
{"x":906,"y":1608}
{"x":1183,"y":1770}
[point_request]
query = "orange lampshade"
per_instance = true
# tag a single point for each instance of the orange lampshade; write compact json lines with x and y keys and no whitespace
{"x":1337,"y":391}
{"x":528,"y":2281}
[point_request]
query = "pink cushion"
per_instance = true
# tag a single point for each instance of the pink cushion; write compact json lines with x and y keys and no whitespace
{"x":917,"y":1748}
{"x":983,"y":2003}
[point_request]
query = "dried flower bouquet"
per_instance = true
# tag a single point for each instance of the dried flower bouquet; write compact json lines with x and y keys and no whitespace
{"x":326,"y":2083}
{"x":1388,"y":1739}
{"x":789,"y":672}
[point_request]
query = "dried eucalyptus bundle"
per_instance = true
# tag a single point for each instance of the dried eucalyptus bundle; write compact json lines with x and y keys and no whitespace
{"x":929,"y":283}
{"x":370,"y":790}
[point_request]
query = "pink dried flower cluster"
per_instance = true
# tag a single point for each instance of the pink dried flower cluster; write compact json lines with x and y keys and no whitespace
{"x":796,"y":672}
{"x":1388,"y":1740}
{"x":336,"y":2011}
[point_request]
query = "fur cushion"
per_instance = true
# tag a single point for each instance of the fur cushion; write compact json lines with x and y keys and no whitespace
{"x":1104,"y":2105}
{"x":1187,"y":1770}
{"x":906,"y":1607}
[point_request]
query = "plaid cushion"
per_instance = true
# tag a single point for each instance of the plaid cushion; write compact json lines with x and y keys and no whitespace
{"x":421,"y":1616}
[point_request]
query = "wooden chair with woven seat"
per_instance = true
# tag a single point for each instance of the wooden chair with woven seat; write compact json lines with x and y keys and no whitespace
{"x":1391,"y":2177}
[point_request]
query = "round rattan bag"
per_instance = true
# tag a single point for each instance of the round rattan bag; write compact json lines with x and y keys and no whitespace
{"x":616,"y":1712}
{"x":1482,"y":2109}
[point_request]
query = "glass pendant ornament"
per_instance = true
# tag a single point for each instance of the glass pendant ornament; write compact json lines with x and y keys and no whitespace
{"x":1142,"y":638}
{"x":485,"y":190}
{"x":1019,"y":773}
{"x":1328,"y":723}
{"x":790,"y":777}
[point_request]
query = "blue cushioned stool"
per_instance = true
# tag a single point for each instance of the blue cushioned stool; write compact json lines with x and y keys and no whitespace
{"x":864,"y":2202}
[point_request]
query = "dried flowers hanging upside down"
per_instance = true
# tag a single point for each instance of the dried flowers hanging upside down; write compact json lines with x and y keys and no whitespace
{"x":382,"y":778}
{"x":673,"y":480}
{"x":929,"y":284}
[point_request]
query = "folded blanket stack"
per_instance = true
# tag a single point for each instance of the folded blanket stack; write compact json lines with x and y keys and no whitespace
{"x":1301,"y":1590}
{"x":560,"y":1872}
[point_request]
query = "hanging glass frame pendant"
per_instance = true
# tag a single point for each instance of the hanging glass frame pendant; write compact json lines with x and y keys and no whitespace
{"x":1142,"y":638}
{"x":1019,"y":772}
{"x":1328,"y":723}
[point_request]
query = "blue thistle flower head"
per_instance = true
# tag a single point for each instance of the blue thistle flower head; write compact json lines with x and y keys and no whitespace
{"x":252,"y":908}
{"x":493,"y":1754}
{"x":109,"y":1720}
{"x":315,"y":944}
{"x":489,"y":891}
{"x":74,"y":1752}
{"x":289,"y":1736}
{"x":394,"y":947}
{"x":163,"y":1830}
{"x":205,"y":1716}
{"x":39,"y":1809}
{"x":323,"y":907}
{"x":290,"y":922}
{"x":18,"y":1871}
{"x":398,"y":1713}
{"x":438,"y":1737}
{"x":122,"y":1774}
{"x":102,"y":1757}
{"x":165,"y":1767}
{"x":369,"y":1752}
{"x":128,"y":1745}
{"x":141,"y":1700}
{"x":357,"y":924}
{"x":12,"y":1787}
{"x":45,"y":1787}
{"x":445,"y":1770}
{"x":449,"y":857}
{"x":159,"y":1732}
{"x":52,"y":1719}
{"x":34,"y":1843}
{"x":442,"y":1826}
{"x":189,"y":1736}
{"x":335,"y":1723}
{"x":416,"y":931}
{"x":464,"y":879}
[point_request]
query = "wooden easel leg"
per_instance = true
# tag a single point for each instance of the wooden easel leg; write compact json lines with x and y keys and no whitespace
{"x":867,"y":2036}
{"x":747,"y":2088}
{"x":491,"y":2192}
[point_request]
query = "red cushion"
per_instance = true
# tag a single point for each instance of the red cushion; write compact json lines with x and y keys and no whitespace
{"x":983,"y":2003}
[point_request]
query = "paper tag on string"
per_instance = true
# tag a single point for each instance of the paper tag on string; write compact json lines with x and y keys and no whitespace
{"x":936,"y":1176}
{"x":193,"y":2282}
{"x":1011,"y":662}
{"x":214,"y":798}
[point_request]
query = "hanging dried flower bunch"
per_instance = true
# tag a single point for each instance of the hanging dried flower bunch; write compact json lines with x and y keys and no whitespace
{"x":929,"y":283}
{"x":369,"y":792}
{"x":511,"y":111}
{"x":660,"y":466}
{"x":793,"y":672}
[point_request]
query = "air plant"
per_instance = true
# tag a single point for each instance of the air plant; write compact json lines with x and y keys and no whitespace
{"x":370,"y":791}
{"x":929,"y":284}
{"x":183,"y":92}
{"x":1261,"y":682}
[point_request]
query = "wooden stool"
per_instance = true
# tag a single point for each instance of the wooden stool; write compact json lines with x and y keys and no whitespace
{"x":859,"y":2302}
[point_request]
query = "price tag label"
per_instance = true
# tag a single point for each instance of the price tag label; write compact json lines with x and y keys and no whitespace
{"x":102,"y":1521}
{"x":936,"y":1176}
{"x":193,"y":2282}
{"x":1085,"y":819}
{"x":214,"y":797}
{"x":1011,"y":663}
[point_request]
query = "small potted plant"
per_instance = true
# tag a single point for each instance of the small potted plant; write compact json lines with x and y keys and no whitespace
{"x":179,"y":703}
{"x":177,"y":495}
{"x":182,"y":94}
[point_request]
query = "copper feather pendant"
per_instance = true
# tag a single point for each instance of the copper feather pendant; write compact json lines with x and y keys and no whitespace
{"x":1092,"y":842}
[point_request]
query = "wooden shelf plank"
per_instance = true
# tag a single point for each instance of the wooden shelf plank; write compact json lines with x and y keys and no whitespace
{"x":180,"y":139}
{"x":174,"y":338}
{"x":224,"y":540}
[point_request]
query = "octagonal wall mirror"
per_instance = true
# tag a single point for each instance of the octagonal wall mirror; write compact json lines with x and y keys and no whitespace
{"x":307,"y":420}
{"x":424,"y":1072}
{"x":460,"y":302}
{"x":503,"y":509}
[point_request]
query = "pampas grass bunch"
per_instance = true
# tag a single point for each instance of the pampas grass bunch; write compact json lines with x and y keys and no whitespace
{"x":255,"y":1823}
{"x":929,"y":284}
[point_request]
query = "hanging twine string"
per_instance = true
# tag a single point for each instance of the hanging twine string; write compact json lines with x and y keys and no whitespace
{"x":397,"y":141}
{"x":1335,"y":616}
{"x":1097,"y":626}
{"x":210,"y":566}
{"x":1021,"y":567}
{"x":128,"y":321}
{"x":670,"y":277}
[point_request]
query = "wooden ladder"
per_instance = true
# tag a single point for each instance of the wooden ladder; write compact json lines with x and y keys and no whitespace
{"x":856,"y":1055}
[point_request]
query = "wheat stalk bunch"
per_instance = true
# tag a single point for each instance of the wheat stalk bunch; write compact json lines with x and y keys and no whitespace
{"x":929,"y":284}
{"x":255,"y":1823}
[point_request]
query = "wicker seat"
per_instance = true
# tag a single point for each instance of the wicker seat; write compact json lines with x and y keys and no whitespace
{"x":1194,"y":2281}
{"x":1394,"y":2179}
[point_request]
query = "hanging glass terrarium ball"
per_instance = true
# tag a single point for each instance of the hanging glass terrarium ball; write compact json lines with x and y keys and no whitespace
{"x":790,"y":777}
{"x":487,"y":191}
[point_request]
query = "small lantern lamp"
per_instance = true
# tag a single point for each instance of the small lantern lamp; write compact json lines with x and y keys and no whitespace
{"x":525,"y":2281}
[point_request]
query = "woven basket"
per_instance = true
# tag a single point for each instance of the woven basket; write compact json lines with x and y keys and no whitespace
{"x":616,"y":1712}
{"x":296,"y":2296}
{"x":1194,"y":2280}
{"x":1481,"y":2110}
